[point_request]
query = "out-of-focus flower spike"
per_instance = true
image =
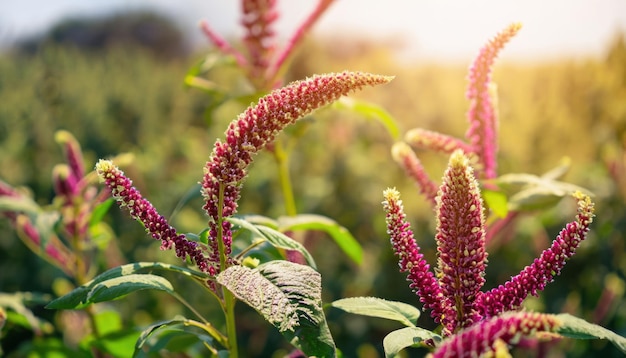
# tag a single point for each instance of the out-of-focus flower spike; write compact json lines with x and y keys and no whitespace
{"x":461,"y":239}
{"x":297,"y":37}
{"x":258,"y":17}
{"x":423,"y":281}
{"x":406,"y":158}
{"x":435,"y":141}
{"x":63,"y":181}
{"x":486,"y":337}
{"x":54,"y":251}
{"x":73,"y":153}
{"x":142,"y":210}
{"x":535,"y":277}
{"x":482,"y":114}
{"x":222,"y":44}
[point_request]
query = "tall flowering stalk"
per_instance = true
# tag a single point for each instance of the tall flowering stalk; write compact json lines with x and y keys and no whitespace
{"x":225,"y":172}
{"x":481,"y":141}
{"x":455,"y":299}
{"x":264,"y":62}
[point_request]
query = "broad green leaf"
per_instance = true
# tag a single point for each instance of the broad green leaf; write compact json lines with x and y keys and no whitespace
{"x":121,"y":286}
{"x":288,"y":295}
{"x":497,"y":202}
{"x":99,"y":211}
{"x":574,"y":327}
{"x":21,"y":203}
{"x":275,"y":238}
{"x":371,"y":111}
{"x":21,"y":315}
{"x":402,"y":338}
{"x":558,"y":171}
{"x":338,"y":233}
{"x":79,"y":297}
{"x":534,"y":198}
{"x":378,"y":307}
{"x":261,"y":220}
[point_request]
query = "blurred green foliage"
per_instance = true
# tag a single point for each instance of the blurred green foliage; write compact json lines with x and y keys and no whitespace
{"x":129,"y":101}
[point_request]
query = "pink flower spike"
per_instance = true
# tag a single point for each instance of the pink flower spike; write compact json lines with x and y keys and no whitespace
{"x":404,"y":155}
{"x":257,"y":127}
{"x":461,"y":239}
{"x":422,"y":280}
{"x":258,"y":17}
{"x":142,"y":210}
{"x":487,"y":336}
{"x":535,"y":277}
{"x":73,"y":154}
{"x":261,"y":123}
{"x":482,"y":114}
{"x":222,"y":44}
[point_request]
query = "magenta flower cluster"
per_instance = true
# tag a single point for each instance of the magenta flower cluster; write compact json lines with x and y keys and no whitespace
{"x":454,"y":295}
{"x":140,"y":209}
{"x":226,"y":169}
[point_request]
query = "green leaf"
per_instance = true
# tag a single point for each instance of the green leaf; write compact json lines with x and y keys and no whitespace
{"x":22,"y":204}
{"x":378,"y":307}
{"x":99,"y":211}
{"x":497,"y":202}
{"x":275,"y":238}
{"x":121,"y":286}
{"x":402,"y":338}
{"x":338,"y":233}
{"x":371,"y":111}
{"x":288,"y":295}
{"x":82,"y":296}
{"x":530,"y":192}
{"x":574,"y":327}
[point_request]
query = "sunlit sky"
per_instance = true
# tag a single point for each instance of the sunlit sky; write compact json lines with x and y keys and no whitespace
{"x":444,"y":29}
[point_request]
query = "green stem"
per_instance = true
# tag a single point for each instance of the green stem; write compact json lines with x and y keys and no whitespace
{"x":282,"y":160}
{"x":205,"y":325}
{"x":229,"y":299}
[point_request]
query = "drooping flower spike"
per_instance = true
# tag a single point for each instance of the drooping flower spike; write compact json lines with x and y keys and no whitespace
{"x":455,"y":299}
{"x":253,"y":130}
{"x":140,"y":209}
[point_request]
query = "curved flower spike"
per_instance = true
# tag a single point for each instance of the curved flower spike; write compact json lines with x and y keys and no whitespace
{"x":254,"y":129}
{"x":140,"y":209}
{"x":542,"y":271}
{"x":461,"y":239}
{"x":482,"y":116}
{"x":488,"y":336}
{"x":422,"y":279}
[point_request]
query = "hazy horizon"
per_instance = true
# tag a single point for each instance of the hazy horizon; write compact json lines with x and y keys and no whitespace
{"x":445,"y":30}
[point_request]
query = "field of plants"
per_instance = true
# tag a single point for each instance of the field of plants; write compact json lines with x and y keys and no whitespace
{"x":158,"y":120}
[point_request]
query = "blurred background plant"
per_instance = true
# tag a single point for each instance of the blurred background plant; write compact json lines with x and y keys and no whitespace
{"x":121,"y":97}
